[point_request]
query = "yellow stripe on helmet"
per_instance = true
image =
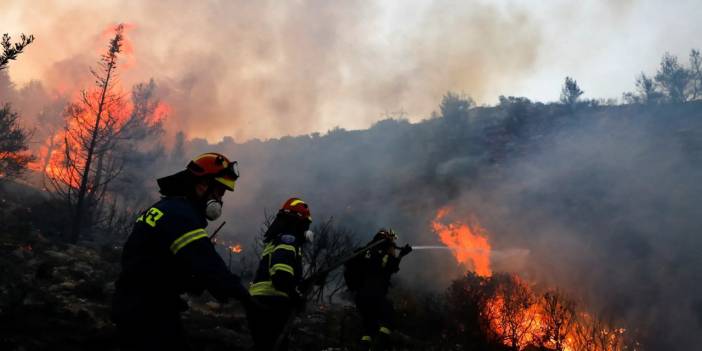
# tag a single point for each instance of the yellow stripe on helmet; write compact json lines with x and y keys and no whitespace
{"x":228,"y":183}
{"x":295,"y":202}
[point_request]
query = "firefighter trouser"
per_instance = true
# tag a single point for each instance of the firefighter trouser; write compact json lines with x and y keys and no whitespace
{"x":267,"y":324}
{"x":377,"y":315}
{"x":152,"y":332}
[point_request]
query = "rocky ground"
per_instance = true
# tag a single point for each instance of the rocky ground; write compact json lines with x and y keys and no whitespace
{"x":57,"y":296}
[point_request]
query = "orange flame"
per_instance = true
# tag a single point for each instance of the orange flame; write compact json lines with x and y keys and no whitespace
{"x":468,"y":241}
{"x":50,"y":158}
{"x":160,"y":113}
{"x":521,"y":318}
{"x":518,"y":324}
{"x":236,"y":248}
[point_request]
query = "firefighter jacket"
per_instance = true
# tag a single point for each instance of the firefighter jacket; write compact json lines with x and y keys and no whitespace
{"x":167,"y":254}
{"x":376,"y":267}
{"x":280,"y":270}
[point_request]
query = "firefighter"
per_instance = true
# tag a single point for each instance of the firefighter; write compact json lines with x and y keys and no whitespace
{"x":169,"y":253}
{"x":276,"y":286}
{"x":368,"y":277}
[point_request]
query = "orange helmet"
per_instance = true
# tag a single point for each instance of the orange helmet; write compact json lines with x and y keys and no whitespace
{"x":297,"y":207}
{"x":216,"y":165}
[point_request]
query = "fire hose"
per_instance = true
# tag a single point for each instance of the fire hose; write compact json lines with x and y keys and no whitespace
{"x":213,"y":237}
{"x":309,"y":282}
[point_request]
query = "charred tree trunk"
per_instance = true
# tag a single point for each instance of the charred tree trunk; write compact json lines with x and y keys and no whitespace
{"x":105,"y":84}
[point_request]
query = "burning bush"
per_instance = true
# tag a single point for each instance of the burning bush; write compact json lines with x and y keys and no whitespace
{"x":503,"y":312}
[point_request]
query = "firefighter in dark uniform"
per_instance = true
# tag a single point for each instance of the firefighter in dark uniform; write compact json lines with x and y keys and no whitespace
{"x":169,"y":253}
{"x":373,"y":270}
{"x":276,"y":285}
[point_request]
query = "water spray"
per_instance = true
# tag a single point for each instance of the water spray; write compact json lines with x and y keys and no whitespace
{"x":442,"y":247}
{"x":494,"y":254}
{"x":432,"y":247}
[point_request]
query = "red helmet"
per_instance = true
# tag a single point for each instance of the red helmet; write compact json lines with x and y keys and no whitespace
{"x":297,"y":207}
{"x":216,"y":165}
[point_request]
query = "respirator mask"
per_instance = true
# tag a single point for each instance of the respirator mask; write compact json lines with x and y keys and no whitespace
{"x":213,"y":209}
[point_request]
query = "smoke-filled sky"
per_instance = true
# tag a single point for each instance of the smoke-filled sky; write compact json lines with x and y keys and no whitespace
{"x":261,"y":69}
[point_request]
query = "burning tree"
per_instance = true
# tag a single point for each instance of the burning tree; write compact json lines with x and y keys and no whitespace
{"x":138,"y":147}
{"x":98,"y":139}
{"x":489,"y":311}
{"x":558,"y":318}
{"x":91,"y":126}
{"x":511,"y":312}
{"x":595,"y":333}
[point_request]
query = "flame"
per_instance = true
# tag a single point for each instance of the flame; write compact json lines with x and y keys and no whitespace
{"x":521,"y":325}
{"x":236,"y":248}
{"x":160,"y":113}
{"x":514,"y":313}
{"x":50,"y":153}
{"x":468,"y":241}
{"x":519,"y":318}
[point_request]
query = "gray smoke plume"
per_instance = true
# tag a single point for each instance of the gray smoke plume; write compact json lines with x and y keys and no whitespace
{"x":602,"y":203}
{"x":267,"y":69}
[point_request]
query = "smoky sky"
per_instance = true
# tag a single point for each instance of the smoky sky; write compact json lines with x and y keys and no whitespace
{"x":266,"y":69}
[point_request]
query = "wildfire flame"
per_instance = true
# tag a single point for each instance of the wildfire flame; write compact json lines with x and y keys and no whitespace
{"x":515,"y":314}
{"x":519,"y":325}
{"x":468,"y":241}
{"x":50,"y":158}
{"x":236,"y":248}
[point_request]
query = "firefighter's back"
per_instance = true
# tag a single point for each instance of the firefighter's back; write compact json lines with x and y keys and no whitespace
{"x":152,"y":279}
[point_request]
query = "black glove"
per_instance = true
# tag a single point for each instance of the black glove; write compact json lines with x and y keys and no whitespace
{"x":405,"y":250}
{"x":298,"y":300}
{"x":320,"y":280}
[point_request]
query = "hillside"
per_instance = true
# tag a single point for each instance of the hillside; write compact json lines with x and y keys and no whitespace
{"x":603,"y":200}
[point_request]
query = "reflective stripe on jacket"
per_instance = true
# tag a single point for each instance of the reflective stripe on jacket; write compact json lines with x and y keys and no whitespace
{"x":279,"y":271}
{"x":168,"y":253}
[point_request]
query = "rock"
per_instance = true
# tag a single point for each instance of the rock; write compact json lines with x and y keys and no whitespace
{"x":213,"y":305}
{"x":82,"y":269}
{"x":18,"y":253}
{"x":68,"y":285}
{"x":108,"y":289}
{"x":57,"y":255}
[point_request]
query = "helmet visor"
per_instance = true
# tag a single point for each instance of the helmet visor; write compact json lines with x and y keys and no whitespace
{"x":229,"y":175}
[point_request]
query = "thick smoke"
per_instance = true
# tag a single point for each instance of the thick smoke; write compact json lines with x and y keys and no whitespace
{"x":609,"y":209}
{"x":605,"y":206}
{"x":603,"y":203}
{"x":266,"y":69}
